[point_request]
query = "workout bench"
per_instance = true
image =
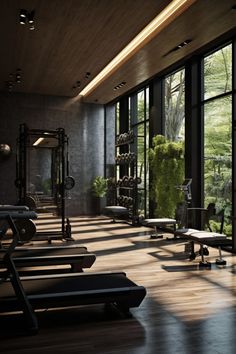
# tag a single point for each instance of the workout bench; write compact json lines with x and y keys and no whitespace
{"x":157,"y":223}
{"x":212,"y":239}
{"x":115,"y":211}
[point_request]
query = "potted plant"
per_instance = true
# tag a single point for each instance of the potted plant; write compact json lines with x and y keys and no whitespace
{"x":99,"y":188}
{"x":167,"y":168}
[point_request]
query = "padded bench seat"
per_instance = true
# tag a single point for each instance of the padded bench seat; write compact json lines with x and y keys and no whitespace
{"x":115,"y":211}
{"x":203,"y":238}
{"x":159,"y":222}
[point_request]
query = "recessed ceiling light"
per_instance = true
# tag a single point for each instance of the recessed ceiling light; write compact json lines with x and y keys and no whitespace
{"x":119,"y":85}
{"x":31,"y":17}
{"x":179,"y":46}
{"x":26,"y":16}
{"x":183,"y":44}
{"x":23,"y":13}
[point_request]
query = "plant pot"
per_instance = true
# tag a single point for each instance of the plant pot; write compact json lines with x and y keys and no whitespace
{"x":99,"y":205}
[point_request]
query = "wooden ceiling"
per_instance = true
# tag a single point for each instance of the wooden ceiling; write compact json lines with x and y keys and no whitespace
{"x":75,"y":37}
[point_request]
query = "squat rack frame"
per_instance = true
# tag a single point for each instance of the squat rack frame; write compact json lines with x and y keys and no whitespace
{"x":22,"y":174}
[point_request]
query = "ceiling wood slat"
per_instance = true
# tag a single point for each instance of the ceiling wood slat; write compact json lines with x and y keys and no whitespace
{"x":73,"y":37}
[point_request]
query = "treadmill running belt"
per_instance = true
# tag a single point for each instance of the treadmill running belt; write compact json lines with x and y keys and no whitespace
{"x":73,"y":290}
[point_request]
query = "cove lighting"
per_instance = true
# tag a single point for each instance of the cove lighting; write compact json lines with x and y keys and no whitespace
{"x":165,"y":17}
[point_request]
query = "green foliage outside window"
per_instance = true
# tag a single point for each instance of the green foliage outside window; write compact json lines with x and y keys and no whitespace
{"x":167,"y":168}
{"x":218,"y":132}
{"x":175,"y":105}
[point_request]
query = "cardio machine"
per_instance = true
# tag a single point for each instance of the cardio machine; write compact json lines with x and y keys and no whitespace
{"x":39,"y":255}
{"x":183,"y":207}
{"x":25,"y":294}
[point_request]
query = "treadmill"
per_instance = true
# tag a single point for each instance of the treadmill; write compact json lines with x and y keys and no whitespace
{"x":43,"y":260}
{"x":41,"y":255}
{"x":60,"y":290}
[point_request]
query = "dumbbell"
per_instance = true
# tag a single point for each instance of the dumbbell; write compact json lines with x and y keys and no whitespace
{"x":132,"y":157}
{"x":125,"y":200}
{"x":119,"y":139}
{"x":120,"y":158}
{"x":125,"y":181}
{"x":125,"y":157}
{"x":119,"y":200}
{"x":122,"y":138}
{"x":138,"y":180}
{"x":119,"y":182}
{"x":131,"y":182}
{"x":125,"y":137}
{"x":131,"y":135}
{"x":130,"y":201}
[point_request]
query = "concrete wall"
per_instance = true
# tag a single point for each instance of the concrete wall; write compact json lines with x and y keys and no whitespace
{"x":83,"y":124}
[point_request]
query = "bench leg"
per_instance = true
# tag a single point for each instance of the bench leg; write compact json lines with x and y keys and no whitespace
{"x":156,"y":234}
{"x":192,"y":252}
{"x":203,"y":263}
{"x":220,"y":261}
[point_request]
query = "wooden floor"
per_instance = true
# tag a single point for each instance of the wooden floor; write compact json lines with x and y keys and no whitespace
{"x":186,"y":310}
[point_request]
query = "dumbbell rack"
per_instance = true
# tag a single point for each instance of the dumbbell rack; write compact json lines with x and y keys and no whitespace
{"x":126,"y":183}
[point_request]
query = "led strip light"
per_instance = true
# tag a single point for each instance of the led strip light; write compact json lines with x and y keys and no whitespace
{"x":165,"y":17}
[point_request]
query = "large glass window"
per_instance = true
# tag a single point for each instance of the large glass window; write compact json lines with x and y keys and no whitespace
{"x":174,"y":108}
{"x":140,"y":126}
{"x":218,"y":72}
{"x":217,"y":103}
{"x":167,"y":155}
{"x":117,"y":118}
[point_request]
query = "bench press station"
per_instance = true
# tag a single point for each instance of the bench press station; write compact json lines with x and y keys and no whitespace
{"x":203,"y":238}
{"x":157,"y":223}
{"x":115,"y":211}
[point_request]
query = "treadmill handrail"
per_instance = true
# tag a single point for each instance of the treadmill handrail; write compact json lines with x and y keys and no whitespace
{"x":20,"y":214}
{"x":82,"y":292}
{"x":13,"y":207}
{"x":53,"y":276}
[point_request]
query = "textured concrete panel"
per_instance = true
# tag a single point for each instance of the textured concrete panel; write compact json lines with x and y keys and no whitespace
{"x":83,"y":123}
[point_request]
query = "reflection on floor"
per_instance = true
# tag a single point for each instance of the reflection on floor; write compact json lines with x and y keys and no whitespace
{"x":187,"y":309}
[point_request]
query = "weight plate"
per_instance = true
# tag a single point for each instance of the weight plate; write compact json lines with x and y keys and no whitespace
{"x":26,"y":229}
{"x":30,"y":202}
{"x":69,"y":182}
